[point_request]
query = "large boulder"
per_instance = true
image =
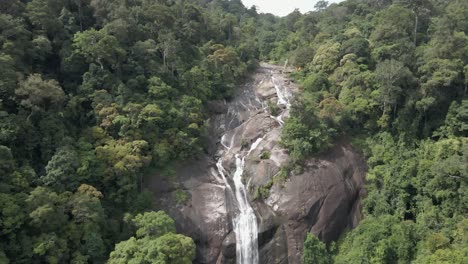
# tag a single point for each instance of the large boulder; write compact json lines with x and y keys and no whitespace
{"x":324,"y":199}
{"x":204,"y":216}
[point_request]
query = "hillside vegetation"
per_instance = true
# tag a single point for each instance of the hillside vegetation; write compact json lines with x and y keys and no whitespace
{"x":92,"y":94}
{"x":95,"y":94}
{"x":392,"y":76}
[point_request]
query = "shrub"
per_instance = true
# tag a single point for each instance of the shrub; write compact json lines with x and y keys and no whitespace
{"x":265,"y":155}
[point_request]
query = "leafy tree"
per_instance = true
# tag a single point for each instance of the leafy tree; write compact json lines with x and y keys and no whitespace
{"x":7,"y":77}
{"x":61,"y":169}
{"x":50,"y":248}
{"x":326,"y":57}
{"x":37,"y":94}
{"x":455,"y":121}
{"x":316,"y":82}
{"x":134,"y":251}
{"x":315,"y":251}
{"x":43,"y":15}
{"x":153,"y":224}
{"x":168,"y":46}
{"x":12,"y":213}
{"x":159,"y":90}
{"x":390,"y":74}
{"x":392,"y":35}
{"x":47,"y":209}
{"x":175,"y":248}
{"x":304,"y":134}
{"x":378,"y":240}
{"x":7,"y":163}
{"x":321,"y":5}
{"x":91,"y":92}
{"x":42,"y":48}
{"x":99,"y":47}
{"x":157,"y":242}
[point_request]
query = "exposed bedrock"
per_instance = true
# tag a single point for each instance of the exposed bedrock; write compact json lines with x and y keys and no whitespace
{"x":323,"y":199}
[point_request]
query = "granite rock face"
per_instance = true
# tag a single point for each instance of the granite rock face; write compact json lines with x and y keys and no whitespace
{"x":323,"y":199}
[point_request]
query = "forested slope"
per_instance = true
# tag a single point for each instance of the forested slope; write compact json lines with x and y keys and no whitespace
{"x":392,"y":77}
{"x":93,"y":93}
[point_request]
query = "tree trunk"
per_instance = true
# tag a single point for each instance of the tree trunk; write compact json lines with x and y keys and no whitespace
{"x":80,"y":15}
{"x":100,"y":63}
{"x":415,"y":27}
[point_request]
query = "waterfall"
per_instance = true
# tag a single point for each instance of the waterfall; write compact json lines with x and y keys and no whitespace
{"x":245,"y":223}
{"x":282,"y":92}
{"x":283,"y":97}
{"x":244,"y":220}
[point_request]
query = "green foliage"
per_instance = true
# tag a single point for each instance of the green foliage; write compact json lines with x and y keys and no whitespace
{"x":175,"y":248}
{"x":305,"y":135}
{"x":315,"y":83}
{"x":315,"y":251}
{"x":153,"y":224}
{"x":156,"y":243}
{"x":379,"y":240}
{"x":421,"y":185}
{"x":244,"y":143}
{"x":326,"y":57}
{"x":274,"y":108}
{"x":7,"y":76}
{"x":92,"y":94}
{"x":456,"y":120}
{"x":181,"y":196}
{"x":61,"y":170}
{"x":12,"y":213}
{"x":265,"y":155}
{"x":390,"y":75}
{"x":37,"y":94}
{"x":99,"y":47}
{"x":134,"y":251}
{"x":436,"y":248}
{"x":263,"y":191}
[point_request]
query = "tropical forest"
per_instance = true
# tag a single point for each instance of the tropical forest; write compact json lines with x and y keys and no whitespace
{"x":209,"y":132}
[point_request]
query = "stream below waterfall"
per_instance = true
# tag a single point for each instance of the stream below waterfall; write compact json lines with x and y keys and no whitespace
{"x":240,"y":111}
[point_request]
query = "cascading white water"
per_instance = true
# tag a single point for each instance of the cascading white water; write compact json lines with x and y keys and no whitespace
{"x":282,"y":92}
{"x":223,"y":142}
{"x":283,"y":97}
{"x":221,"y":171}
{"x":244,"y":221}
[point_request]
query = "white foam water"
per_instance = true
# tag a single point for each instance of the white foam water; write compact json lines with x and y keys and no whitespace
{"x":282,"y":92}
{"x":245,"y":223}
{"x":244,"y":219}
